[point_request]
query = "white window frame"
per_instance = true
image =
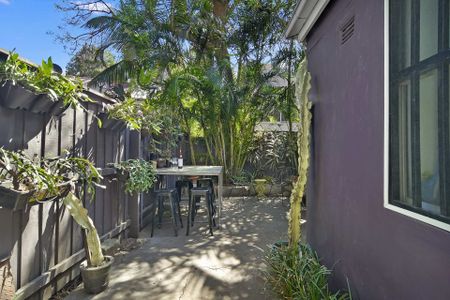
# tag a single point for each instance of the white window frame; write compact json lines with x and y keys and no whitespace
{"x":388,"y":205}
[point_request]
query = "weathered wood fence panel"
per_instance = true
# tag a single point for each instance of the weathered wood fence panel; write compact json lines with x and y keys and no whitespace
{"x":44,"y":240}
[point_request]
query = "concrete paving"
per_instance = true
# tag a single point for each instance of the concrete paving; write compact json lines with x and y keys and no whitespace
{"x":228,"y":265}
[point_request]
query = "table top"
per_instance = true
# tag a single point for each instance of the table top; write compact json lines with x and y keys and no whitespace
{"x":191,"y":171}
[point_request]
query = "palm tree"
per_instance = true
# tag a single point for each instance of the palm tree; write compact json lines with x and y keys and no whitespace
{"x":210,"y":54}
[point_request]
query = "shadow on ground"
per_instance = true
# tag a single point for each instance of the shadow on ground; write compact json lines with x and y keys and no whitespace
{"x":228,"y":265}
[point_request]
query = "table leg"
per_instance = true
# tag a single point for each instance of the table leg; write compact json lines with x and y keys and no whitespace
{"x":220,"y":194}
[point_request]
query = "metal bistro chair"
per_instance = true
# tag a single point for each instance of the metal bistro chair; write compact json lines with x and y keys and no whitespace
{"x":172,"y":196}
{"x":186,"y":184}
{"x":199,"y":192}
{"x":209,"y":183}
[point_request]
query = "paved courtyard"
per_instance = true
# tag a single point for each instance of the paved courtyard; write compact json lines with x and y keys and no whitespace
{"x":228,"y":265}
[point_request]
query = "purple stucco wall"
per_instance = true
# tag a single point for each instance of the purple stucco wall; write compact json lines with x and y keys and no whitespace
{"x":384,"y":255}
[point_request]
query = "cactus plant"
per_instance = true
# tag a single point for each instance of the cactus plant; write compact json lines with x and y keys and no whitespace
{"x":304,"y":106}
{"x":80,"y":215}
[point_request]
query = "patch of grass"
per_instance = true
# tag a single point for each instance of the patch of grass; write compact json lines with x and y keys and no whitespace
{"x":292,"y":275}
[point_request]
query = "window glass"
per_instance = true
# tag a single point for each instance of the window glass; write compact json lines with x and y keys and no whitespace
{"x":401,"y":38}
{"x":405,"y":135}
{"x":429,"y":11}
{"x":429,"y":145}
{"x":419,"y":134}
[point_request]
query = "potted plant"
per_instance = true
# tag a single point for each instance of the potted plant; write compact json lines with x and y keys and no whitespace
{"x":23,"y":181}
{"x":261,"y":187}
{"x":108,"y":122}
{"x":139,"y":175}
{"x":12,"y":93}
{"x":38,"y":88}
{"x":95,"y":269}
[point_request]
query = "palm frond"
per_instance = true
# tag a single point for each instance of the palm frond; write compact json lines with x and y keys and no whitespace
{"x":117,"y":73}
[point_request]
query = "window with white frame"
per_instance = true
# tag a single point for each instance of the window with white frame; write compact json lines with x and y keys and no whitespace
{"x":419,"y":119}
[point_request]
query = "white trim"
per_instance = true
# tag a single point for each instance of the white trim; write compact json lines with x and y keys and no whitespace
{"x":387,"y":205}
{"x":305,"y":23}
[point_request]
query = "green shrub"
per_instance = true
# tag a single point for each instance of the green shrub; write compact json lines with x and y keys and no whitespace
{"x":140,"y":175}
{"x":46,"y":176}
{"x":295,"y":276}
{"x":42,"y":79}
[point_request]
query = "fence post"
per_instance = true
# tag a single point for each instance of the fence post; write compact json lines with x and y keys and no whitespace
{"x":133,"y":200}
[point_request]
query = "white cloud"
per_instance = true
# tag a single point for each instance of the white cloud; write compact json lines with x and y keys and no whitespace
{"x":6,"y":2}
{"x":97,"y":7}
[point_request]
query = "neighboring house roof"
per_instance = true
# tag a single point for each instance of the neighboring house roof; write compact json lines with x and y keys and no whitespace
{"x":305,"y":16}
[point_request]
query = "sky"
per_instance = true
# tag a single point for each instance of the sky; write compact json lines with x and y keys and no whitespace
{"x":25,"y":25}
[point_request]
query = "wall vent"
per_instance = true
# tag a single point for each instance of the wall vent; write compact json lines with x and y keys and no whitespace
{"x":347,"y":30}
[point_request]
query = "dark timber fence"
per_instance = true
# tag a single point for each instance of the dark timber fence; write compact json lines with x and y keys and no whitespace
{"x":43,"y":244}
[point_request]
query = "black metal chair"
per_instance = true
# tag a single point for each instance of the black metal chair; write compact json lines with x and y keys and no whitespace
{"x":180,"y":184}
{"x":209,"y":183}
{"x":198,"y":193}
{"x":160,"y":195}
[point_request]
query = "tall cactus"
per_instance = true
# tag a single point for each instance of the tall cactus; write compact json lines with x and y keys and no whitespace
{"x":304,"y":106}
{"x":80,"y":215}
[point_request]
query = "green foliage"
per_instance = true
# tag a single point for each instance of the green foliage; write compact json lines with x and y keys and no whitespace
{"x":303,"y":144}
{"x":213,"y":63}
{"x":156,"y":120}
{"x":80,"y":214}
{"x":26,"y":174}
{"x":89,"y":62}
{"x":243,"y":178}
{"x":275,"y":152}
{"x":14,"y":69}
{"x":79,"y":167}
{"x":52,"y":179}
{"x":138,"y":115}
{"x":46,"y":177}
{"x":140,"y":175}
{"x":42,"y":79}
{"x":299,"y":275}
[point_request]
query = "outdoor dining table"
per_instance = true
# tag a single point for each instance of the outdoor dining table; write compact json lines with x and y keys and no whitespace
{"x":210,"y":171}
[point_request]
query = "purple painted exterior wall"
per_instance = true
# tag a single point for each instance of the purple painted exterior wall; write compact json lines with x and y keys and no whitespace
{"x":384,"y":255}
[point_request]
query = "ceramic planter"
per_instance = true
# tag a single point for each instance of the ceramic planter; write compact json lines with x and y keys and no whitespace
{"x":261,"y":187}
{"x":42,"y":104}
{"x":19,"y":200}
{"x":108,"y":123}
{"x":96,"y":279}
{"x":112,"y":171}
{"x":58,"y":108}
{"x":108,"y":172}
{"x":15,"y":96}
{"x":13,"y":199}
{"x":161,"y":162}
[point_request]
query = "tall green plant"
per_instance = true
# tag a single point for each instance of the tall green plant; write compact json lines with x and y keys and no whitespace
{"x":294,"y":276}
{"x":80,"y":215}
{"x":218,"y":64}
{"x":304,"y":106}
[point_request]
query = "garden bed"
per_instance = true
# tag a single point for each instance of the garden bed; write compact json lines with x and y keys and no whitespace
{"x":249,"y":190}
